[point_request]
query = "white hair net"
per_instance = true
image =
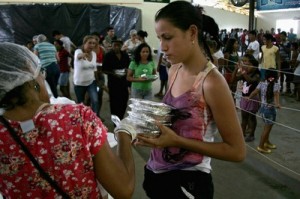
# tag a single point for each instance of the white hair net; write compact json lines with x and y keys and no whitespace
{"x":133,"y":32}
{"x":17,"y":66}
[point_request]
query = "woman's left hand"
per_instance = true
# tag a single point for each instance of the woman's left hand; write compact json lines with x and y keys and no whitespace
{"x":167,"y":138}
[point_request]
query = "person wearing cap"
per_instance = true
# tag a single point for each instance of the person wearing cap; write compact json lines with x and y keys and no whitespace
{"x":48,"y":58}
{"x":108,"y":38}
{"x":130,"y":44}
{"x":68,"y":141}
{"x":115,"y":65}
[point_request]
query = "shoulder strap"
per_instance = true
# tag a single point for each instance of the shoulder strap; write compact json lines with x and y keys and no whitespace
{"x":202,"y":75}
{"x":173,"y":77}
{"x":43,"y":173}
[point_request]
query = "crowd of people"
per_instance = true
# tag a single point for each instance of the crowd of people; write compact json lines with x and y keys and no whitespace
{"x":281,"y":46}
{"x":257,"y":66}
{"x":96,"y":56}
{"x":61,"y":150}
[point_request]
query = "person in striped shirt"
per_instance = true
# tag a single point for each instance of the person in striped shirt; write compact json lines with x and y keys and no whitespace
{"x":48,"y":59}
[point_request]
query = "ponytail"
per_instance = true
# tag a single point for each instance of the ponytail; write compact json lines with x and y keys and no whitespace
{"x":270,"y":88}
{"x":271,"y":77}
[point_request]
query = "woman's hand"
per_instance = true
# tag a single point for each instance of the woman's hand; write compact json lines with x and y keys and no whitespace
{"x":84,"y":56}
{"x":167,"y":138}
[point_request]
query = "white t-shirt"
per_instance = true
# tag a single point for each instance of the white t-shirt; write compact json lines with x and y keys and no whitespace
{"x":254,"y":45}
{"x":219,"y":54}
{"x":84,"y":70}
{"x":131,"y":46}
{"x":67,"y":43}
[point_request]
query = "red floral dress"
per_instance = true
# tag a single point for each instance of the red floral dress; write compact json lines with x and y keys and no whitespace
{"x":64,"y":141}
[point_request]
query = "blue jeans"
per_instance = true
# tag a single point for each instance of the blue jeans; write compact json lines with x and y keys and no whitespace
{"x":52,"y":76}
{"x":80,"y":92}
{"x":141,"y":94}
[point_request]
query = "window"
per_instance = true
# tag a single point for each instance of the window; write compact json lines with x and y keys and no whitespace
{"x":287,"y":24}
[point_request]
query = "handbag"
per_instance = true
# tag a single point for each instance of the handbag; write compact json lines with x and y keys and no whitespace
{"x":43,"y":173}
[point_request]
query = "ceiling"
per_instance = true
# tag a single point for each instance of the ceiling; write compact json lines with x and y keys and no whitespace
{"x":224,"y":5}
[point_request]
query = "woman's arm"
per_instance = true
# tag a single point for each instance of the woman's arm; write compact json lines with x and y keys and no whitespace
{"x":232,"y":146}
{"x":276,"y":99}
{"x":226,"y":61}
{"x":251,"y":79}
{"x":278,"y":61}
{"x":254,"y":93}
{"x":236,"y":74}
{"x":116,"y":173}
{"x":154,"y":69}
{"x":57,"y":57}
{"x":131,"y":78}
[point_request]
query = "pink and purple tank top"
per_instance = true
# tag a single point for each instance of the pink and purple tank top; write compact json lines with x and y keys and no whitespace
{"x":197,"y":124}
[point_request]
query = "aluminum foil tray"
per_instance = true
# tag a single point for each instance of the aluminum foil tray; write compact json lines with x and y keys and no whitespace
{"x":153,"y":107}
{"x":150,"y":117}
{"x":144,"y":113}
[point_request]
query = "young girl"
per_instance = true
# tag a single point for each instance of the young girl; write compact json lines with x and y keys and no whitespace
{"x":231,"y":58}
{"x":248,"y":72}
{"x":140,"y":71}
{"x":179,"y":163}
{"x":269,"y":92}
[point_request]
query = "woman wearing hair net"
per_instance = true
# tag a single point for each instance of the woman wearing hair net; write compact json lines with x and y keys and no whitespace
{"x":67,"y":141}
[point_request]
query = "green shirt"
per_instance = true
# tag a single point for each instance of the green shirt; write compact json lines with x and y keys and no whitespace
{"x":139,"y":70}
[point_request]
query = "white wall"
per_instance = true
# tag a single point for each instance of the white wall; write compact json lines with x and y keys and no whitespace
{"x":267,"y":20}
{"x":225,"y":19}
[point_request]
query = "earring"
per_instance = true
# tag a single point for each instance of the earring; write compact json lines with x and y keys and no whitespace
{"x":193,"y":42}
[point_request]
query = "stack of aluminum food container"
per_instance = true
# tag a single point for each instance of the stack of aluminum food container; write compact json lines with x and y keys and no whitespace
{"x":144,"y":113}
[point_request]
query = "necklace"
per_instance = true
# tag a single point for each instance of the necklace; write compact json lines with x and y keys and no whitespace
{"x":41,"y":107}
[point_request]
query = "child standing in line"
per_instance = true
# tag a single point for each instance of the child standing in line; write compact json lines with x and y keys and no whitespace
{"x":269,"y":91}
{"x":162,"y":68}
{"x":248,"y":74}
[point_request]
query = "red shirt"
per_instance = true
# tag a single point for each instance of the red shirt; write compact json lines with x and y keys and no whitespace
{"x":100,"y":55}
{"x":64,"y":140}
{"x":243,"y":38}
{"x":63,"y":55}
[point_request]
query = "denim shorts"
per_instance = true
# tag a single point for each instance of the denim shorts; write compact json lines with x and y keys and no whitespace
{"x":63,"y":79}
{"x":268,"y":114}
{"x":141,"y":94}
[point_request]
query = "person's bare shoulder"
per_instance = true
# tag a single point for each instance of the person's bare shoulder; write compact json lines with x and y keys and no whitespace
{"x":173,"y":69}
{"x":215,"y":83}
